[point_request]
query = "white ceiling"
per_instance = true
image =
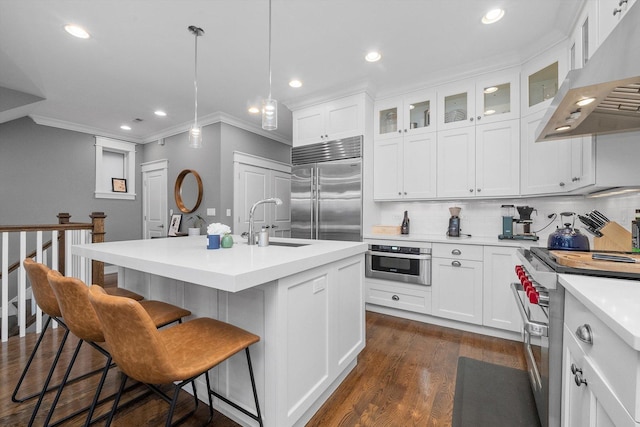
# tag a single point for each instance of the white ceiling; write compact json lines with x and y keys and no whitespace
{"x":141,"y":55}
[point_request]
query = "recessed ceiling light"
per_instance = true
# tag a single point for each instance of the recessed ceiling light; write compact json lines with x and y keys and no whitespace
{"x":373,"y":56}
{"x":76,"y":31}
{"x":585,"y":101}
{"x":491,"y":89}
{"x":493,"y":16}
{"x":489,"y":112}
{"x":125,"y":127}
{"x":254,"y":110}
{"x":563,"y":128}
{"x":295,"y":83}
{"x":160,"y":113}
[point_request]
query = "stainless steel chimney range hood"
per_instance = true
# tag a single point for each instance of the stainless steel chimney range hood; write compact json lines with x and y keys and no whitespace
{"x":611,"y":77}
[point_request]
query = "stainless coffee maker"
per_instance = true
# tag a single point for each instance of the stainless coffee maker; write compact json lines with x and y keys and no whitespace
{"x":454,"y":222}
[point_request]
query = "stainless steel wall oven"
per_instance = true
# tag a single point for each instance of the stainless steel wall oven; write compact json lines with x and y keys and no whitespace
{"x":399,"y":263}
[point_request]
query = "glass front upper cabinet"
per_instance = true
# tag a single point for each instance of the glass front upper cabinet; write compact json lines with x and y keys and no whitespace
{"x":388,"y":121}
{"x":409,"y":114}
{"x":498,"y":97}
{"x":543,"y":84}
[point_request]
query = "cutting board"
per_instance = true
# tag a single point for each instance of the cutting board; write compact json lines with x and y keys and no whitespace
{"x":385,"y":229}
{"x":584,"y":260}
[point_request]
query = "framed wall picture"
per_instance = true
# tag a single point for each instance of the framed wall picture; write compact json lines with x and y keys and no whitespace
{"x":118,"y":185}
{"x":174,"y":225}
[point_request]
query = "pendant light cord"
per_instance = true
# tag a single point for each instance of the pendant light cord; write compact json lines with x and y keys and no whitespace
{"x":195,"y":81}
{"x":269,"y":49}
{"x":196,"y":31}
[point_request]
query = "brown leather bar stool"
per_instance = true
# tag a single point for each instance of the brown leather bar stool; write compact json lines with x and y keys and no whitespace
{"x":46,"y":300}
{"x":178,"y":354}
{"x":73,"y":298}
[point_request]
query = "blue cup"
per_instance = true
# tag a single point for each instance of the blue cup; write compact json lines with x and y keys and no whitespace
{"x":214,"y":241}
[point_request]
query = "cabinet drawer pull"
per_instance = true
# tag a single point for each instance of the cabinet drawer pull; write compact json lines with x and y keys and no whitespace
{"x":575,"y":369}
{"x":456,"y":263}
{"x":395,"y":298}
{"x":616,"y":11}
{"x":456,"y":252}
{"x":584,"y":334}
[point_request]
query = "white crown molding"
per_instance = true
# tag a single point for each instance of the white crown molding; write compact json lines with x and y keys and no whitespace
{"x":321,"y":97}
{"x":217,"y":117}
{"x":62,"y":124}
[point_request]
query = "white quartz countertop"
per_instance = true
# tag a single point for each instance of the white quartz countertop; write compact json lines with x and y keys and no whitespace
{"x":232,"y":269}
{"x":614,"y":301}
{"x":441,"y":238}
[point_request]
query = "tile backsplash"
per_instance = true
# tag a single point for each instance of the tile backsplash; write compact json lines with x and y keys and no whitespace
{"x":484,"y":217}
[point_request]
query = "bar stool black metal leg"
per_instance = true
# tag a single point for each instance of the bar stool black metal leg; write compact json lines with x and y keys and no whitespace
{"x":48,"y":380}
{"x":117,"y":399}
{"x":92,"y":408}
{"x":26,"y":368}
{"x":63,"y":383}
{"x":253,"y":386}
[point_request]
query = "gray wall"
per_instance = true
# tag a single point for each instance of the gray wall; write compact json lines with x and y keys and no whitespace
{"x":45,"y":170}
{"x":214,"y":164}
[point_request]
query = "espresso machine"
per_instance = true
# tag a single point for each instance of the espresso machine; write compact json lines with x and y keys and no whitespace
{"x":512,"y":225}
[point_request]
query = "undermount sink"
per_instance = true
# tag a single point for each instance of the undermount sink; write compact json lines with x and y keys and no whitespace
{"x":290,"y":244}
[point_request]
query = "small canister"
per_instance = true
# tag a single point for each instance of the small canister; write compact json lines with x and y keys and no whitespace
{"x":263,"y":237}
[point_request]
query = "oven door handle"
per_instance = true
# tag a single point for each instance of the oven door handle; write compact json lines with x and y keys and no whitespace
{"x":534,"y":328}
{"x":397,"y":255}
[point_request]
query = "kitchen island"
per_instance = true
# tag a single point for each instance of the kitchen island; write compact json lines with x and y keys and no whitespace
{"x":304,"y":298}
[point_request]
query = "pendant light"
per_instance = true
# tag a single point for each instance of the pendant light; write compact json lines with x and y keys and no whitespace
{"x":195,"y":133}
{"x":269,"y":105}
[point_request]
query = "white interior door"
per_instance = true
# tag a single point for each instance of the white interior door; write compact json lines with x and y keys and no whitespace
{"x":253,"y":185}
{"x":256,"y":179}
{"x":154,"y":199}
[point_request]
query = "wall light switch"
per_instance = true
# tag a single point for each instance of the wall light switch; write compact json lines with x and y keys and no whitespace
{"x":228,"y":212}
{"x":211,"y":211}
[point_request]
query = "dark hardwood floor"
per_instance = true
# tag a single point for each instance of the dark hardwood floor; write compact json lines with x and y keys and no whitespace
{"x":405,"y":377}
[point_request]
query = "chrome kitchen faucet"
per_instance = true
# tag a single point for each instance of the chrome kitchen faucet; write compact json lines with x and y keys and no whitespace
{"x":251,"y":234}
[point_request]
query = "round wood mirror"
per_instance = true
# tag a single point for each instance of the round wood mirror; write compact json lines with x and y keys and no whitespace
{"x":188,"y":191}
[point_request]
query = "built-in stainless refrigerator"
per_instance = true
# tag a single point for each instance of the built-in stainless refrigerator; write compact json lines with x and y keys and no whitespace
{"x":326,"y":190}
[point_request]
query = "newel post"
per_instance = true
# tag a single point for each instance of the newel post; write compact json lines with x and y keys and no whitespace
{"x":63,"y":218}
{"x":97,"y":236}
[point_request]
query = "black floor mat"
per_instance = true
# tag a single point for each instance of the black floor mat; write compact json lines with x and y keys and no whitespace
{"x":489,"y":395}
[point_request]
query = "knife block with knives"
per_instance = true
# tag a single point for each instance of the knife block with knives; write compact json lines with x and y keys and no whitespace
{"x":614,"y":238}
{"x":608,"y":235}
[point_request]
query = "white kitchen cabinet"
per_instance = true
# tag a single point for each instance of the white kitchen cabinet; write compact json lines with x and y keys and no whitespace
{"x":407,"y":115}
{"x":498,"y":310}
{"x":405,"y":167}
{"x":601,"y":388}
{"x":553,"y":167}
{"x":541,"y":77}
{"x":457,"y":282}
{"x":341,"y":118}
{"x":489,"y":98}
{"x":479,"y":161}
{"x":584,"y":39}
{"x":610,"y":12}
{"x":403,"y":296}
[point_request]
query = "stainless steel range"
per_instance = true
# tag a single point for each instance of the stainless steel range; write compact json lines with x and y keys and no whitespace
{"x":540,"y":301}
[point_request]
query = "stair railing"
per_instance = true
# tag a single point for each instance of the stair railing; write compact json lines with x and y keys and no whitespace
{"x":66,"y":234}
